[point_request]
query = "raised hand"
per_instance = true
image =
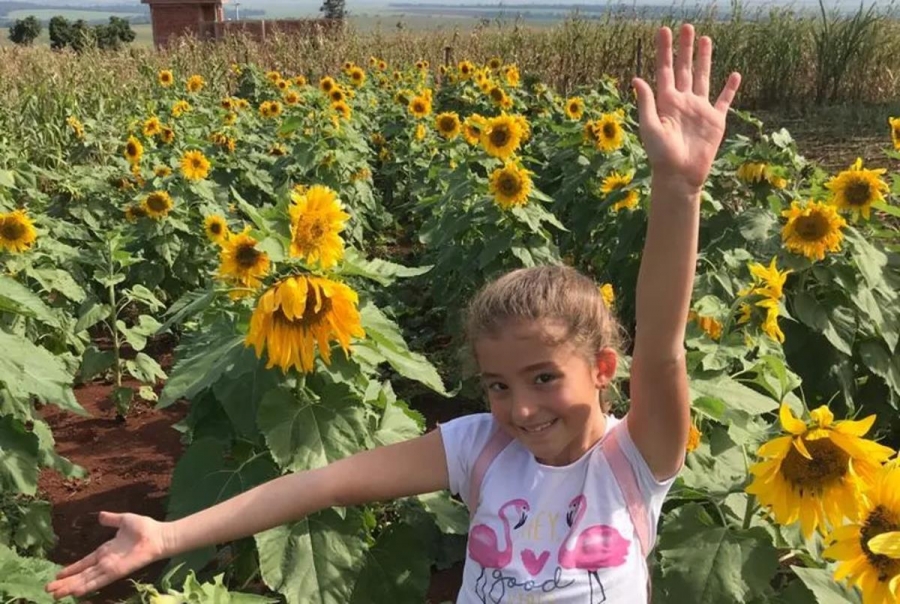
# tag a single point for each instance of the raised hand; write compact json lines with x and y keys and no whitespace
{"x":138,"y":542}
{"x":680,"y":129}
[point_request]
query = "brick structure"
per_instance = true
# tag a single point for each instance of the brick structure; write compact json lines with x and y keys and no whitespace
{"x":173,"y":18}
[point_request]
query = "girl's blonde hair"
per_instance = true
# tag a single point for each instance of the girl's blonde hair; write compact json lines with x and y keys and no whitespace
{"x":545,"y":293}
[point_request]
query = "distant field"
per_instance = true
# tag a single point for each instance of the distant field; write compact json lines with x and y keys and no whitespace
{"x":143,"y":31}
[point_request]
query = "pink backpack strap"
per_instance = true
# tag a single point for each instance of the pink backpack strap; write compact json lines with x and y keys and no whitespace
{"x":625,"y":477}
{"x":498,"y":441}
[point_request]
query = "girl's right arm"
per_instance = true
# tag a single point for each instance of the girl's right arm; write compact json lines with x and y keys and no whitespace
{"x":409,"y":468}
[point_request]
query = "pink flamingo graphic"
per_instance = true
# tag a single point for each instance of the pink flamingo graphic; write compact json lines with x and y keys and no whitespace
{"x":483,"y":546}
{"x":596,"y":547}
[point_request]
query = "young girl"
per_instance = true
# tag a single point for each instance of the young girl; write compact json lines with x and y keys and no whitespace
{"x":564,"y":499}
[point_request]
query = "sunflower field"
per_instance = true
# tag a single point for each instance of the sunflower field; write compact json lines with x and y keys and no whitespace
{"x":310,"y":239}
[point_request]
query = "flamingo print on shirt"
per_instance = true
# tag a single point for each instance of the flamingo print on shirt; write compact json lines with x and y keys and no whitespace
{"x":596,"y":547}
{"x":484,"y":547}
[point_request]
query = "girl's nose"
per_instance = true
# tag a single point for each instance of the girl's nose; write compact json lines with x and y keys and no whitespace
{"x":524,"y":408}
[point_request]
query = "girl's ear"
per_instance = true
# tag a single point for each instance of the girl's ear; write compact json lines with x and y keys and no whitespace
{"x":605,"y":369}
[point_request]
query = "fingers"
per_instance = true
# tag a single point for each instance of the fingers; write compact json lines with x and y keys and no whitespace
{"x":727,"y":95}
{"x":646,"y":103}
{"x":110,"y":519}
{"x":703,"y":67}
{"x":684,"y":60}
{"x":74,"y":569}
{"x":665,"y":78}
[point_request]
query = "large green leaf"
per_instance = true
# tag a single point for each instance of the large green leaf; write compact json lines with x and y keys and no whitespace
{"x":304,"y":433}
{"x":383,"y":336}
{"x":734,"y":394}
{"x":378,"y":270}
{"x":704,"y":562}
{"x":879,"y":359}
{"x":397,"y":424}
{"x":240,"y":397}
{"x":56,"y":279}
{"x":838,"y":324}
{"x":717,"y":467}
{"x":15,"y":297}
{"x":28,"y":370}
{"x":827,"y":591}
{"x":25,"y":578}
{"x":392,"y":571}
{"x":208,"y":356}
{"x":314,"y":561}
{"x":18,"y":457}
{"x":449,"y":515}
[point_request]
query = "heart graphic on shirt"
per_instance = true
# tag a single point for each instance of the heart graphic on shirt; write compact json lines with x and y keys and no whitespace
{"x":534,"y":564}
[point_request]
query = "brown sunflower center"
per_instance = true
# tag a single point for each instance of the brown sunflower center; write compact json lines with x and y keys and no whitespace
{"x":509,"y":183}
{"x":447,"y":124}
{"x":196,"y":163}
{"x":500,"y":136}
{"x":12,"y":230}
{"x":828,"y":464}
{"x":247,"y":255}
{"x":896,"y":131}
{"x":610,"y":130}
{"x":157,"y":203}
{"x":496,"y":95}
{"x":574,"y":107}
{"x":858,"y":193}
{"x":880,"y":520}
{"x":311,"y":317}
{"x":131,"y":149}
{"x":419,"y":107}
{"x":813,"y":227}
{"x":215,"y":228}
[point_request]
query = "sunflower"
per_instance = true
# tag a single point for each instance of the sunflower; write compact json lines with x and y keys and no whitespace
{"x":157,"y":205}
{"x":270,"y":109}
{"x":134,"y":150}
{"x":608,"y":132}
{"x":195,"y":84}
{"x":512,"y":75}
{"x":709,"y":325}
{"x":420,"y":132}
{"x":818,"y":472}
{"x":273,"y":76}
{"x":326,"y":84}
{"x":868,"y":550}
{"x":133,"y":212}
{"x":167,"y":135}
{"x":316,"y":221}
{"x":420,"y":106}
{"x":472,"y":128}
{"x":291,"y":97}
{"x":769,"y":281}
{"x":337,"y":95}
{"x":241,"y":262}
{"x":230,"y":119}
{"x":607,"y":294}
{"x":575,"y":108}
{"x":501,"y":136}
{"x":357,"y":76}
{"x":300,"y":81}
{"x":856,"y":189}
{"x":812,"y":230}
{"x":152,"y":126}
{"x":162,"y":171}
{"x":343,"y":109}
{"x":497,"y":95}
{"x":216,"y":229}
{"x":751,"y":172}
{"x":298,"y":313}
{"x":494,"y":64}
{"x":448,"y":125}
{"x":618,"y":182}
{"x":75,"y":124}
{"x":179,"y":108}
{"x":194,"y":165}
{"x":277,"y":150}
{"x":693,"y":441}
{"x":895,"y":131}
{"x":17,"y":232}
{"x":165,"y":78}
{"x":510,"y":185}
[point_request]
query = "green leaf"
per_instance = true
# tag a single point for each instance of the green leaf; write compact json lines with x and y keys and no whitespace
{"x":396,"y":425}
{"x":755,"y":224}
{"x":25,"y":578}
{"x":137,"y":335}
{"x":240,"y":397}
{"x":383,"y":336}
{"x":381,"y":271}
{"x":56,"y":279}
{"x":734,"y":394}
{"x":450,"y":516}
{"x":703,"y":562}
{"x":717,"y":467}
{"x":90,"y":313}
{"x":391,"y":573}
{"x":210,"y":355}
{"x":304,"y":433}
{"x":28,"y":370}
{"x":879,"y":359}
{"x":887,"y":209}
{"x":145,"y":369}
{"x":94,"y":362}
{"x":315,"y":560}
{"x":49,"y":458}
{"x":15,"y":297}
{"x":187,"y":306}
{"x":142,"y":294}
{"x":822,"y":584}
{"x":8,"y":179}
{"x":35,"y":530}
{"x":18,"y":457}
{"x":838,"y":325}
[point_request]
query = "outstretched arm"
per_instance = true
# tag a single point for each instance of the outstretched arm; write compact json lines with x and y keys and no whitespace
{"x":681,"y":132}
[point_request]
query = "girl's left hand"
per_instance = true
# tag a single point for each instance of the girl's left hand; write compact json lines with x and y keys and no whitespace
{"x":680,"y":130}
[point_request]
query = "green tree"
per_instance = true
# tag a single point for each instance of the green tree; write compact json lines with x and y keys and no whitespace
{"x":25,"y":31}
{"x":60,"y":32}
{"x":112,"y":35}
{"x":334,"y":9}
{"x":81,"y":35}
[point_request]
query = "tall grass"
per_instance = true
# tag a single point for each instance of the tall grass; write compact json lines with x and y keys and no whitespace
{"x":788,"y":59}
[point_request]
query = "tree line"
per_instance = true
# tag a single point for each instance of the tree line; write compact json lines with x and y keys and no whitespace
{"x":77,"y":35}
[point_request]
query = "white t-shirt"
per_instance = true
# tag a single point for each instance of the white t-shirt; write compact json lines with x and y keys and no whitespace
{"x":565,"y":535}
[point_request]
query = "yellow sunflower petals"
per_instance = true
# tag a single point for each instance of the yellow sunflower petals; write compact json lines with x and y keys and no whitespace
{"x":790,"y":423}
{"x":886,"y":544}
{"x":855,"y":427}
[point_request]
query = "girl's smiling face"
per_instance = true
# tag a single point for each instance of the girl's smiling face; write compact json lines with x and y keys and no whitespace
{"x":545,"y":395}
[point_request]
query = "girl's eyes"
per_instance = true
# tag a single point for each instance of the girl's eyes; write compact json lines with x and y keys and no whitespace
{"x":544,"y":378}
{"x":496,"y":386}
{"x":540,"y":379}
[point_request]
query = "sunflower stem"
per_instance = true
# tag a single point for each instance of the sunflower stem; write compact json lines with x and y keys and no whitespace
{"x":751,"y":509}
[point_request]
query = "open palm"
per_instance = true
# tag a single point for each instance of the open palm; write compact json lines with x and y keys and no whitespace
{"x":138,"y":542}
{"x":680,"y":129}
